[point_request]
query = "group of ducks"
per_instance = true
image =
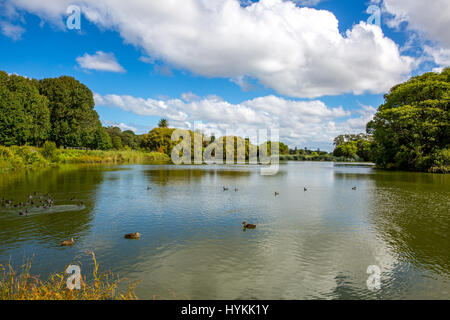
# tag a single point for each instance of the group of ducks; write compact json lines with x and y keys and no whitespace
{"x":33,"y":201}
{"x":42,"y":201}
{"x":134,"y":236}
{"x":253,"y":226}
{"x":48,"y":203}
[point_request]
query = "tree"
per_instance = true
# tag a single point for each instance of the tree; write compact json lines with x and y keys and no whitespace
{"x":24,"y":113}
{"x":130,"y":139}
{"x":117,"y":143}
{"x":73,"y":118}
{"x":158,"y":139}
{"x":346,"y":149}
{"x":102,"y":140}
{"x":163,"y":123}
{"x":411,"y":130}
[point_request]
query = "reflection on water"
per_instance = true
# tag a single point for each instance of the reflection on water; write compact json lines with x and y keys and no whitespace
{"x":307,"y":245}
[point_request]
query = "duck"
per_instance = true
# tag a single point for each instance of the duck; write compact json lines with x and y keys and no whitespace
{"x":304,"y":189}
{"x":354,"y":188}
{"x":277,"y":194}
{"x":149,"y":188}
{"x":225,"y":189}
{"x":248,"y":225}
{"x":136,"y":235}
{"x":236,"y":190}
{"x":67,"y":243}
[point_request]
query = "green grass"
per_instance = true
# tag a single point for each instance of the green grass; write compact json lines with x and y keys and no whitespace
{"x":19,"y":158}
{"x":21,"y":285}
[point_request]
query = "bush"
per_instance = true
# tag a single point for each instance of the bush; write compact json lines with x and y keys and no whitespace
{"x":30,"y":156}
{"x":49,"y":150}
{"x":441,"y":161}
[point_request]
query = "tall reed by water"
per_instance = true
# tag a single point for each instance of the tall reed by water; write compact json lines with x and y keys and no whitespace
{"x":21,"y":285}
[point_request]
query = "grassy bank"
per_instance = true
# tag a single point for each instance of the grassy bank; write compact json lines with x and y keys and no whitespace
{"x":19,"y":158}
{"x":21,"y":285}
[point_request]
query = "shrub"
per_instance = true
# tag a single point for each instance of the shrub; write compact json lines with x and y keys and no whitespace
{"x":49,"y":150}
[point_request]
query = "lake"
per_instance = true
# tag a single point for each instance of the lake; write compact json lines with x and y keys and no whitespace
{"x":314,"y":244}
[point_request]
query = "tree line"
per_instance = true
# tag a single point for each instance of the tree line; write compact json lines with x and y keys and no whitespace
{"x":411,"y":129}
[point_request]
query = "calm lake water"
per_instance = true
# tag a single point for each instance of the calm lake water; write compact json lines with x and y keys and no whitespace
{"x":307,"y":245}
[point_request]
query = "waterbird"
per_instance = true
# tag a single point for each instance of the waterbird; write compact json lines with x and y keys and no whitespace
{"x":304,"y":189}
{"x":136,"y":235}
{"x":225,"y":189}
{"x":67,"y":242}
{"x":354,"y":188}
{"x":149,"y":188}
{"x":248,"y":225}
{"x":277,"y":194}
{"x":236,"y":190}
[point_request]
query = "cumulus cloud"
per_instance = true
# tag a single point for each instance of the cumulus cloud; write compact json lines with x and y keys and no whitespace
{"x":429,"y":23}
{"x":12,"y":31}
{"x":440,"y":56}
{"x":300,"y":122}
{"x":100,"y":61}
{"x":308,"y":3}
{"x":297,"y":51}
{"x":431,"y":19}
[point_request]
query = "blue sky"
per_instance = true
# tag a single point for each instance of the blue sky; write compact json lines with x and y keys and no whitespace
{"x":139,"y":75}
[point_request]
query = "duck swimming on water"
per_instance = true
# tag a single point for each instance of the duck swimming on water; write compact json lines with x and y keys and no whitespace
{"x":136,"y":235}
{"x":67,"y":243}
{"x":248,"y":225}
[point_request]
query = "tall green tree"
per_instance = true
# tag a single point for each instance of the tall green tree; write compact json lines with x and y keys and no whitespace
{"x":73,"y":118}
{"x":411,"y":130}
{"x":24,"y":113}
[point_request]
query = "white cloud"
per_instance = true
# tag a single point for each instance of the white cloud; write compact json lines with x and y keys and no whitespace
{"x":298,"y":52}
{"x":440,"y":56}
{"x":100,"y":61}
{"x":308,"y":3}
{"x":430,"y":18}
{"x":300,"y":122}
{"x":429,"y":23}
{"x":12,"y":31}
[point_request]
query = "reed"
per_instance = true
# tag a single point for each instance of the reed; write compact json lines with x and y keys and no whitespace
{"x":21,"y":285}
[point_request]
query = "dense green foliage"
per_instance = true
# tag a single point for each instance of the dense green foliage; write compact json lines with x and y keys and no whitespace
{"x":353,"y":146}
{"x":411,"y":130}
{"x":74,"y":121}
{"x":60,"y":110}
{"x":24,"y":113}
{"x":123,"y":140}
